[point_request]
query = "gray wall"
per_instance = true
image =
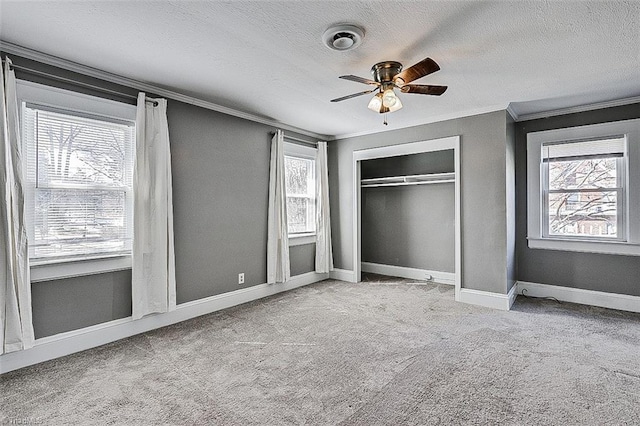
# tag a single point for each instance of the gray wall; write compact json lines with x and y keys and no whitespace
{"x":410,"y":226}
{"x":220,"y":167}
{"x":73,"y":303}
{"x":413,"y":164}
{"x":302,"y":259}
{"x":590,"y":271}
{"x":483,"y":184}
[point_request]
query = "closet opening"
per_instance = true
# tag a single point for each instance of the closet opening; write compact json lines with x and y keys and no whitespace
{"x":407,"y":211}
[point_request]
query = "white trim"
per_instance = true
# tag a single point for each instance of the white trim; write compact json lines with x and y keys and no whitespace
{"x":410,"y":273}
{"x":62,"y":344}
{"x":357,"y":226}
{"x":406,"y":148}
{"x":145,"y":87}
{"x":535,"y":186}
{"x":623,"y":302}
{"x":78,"y":268}
{"x":451,"y":142}
{"x":488,"y":299}
{"x":342,"y":275}
{"x":514,"y":115}
{"x":576,"y":109}
{"x":603,"y":247}
{"x":457,"y":218}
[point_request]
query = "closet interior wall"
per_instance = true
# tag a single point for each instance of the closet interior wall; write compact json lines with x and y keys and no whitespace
{"x":407,"y":214}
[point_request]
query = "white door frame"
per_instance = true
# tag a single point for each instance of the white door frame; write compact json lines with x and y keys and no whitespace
{"x":451,"y":142}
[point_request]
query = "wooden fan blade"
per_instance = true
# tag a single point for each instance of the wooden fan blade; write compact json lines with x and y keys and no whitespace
{"x":422,"y":68}
{"x":353,"y":95}
{"x":423,"y":89}
{"x":359,"y":79}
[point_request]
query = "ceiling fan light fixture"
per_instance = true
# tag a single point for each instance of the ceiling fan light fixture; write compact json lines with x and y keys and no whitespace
{"x":396,"y":106}
{"x":375,"y":104}
{"x":389,"y":75}
{"x":389,"y":98}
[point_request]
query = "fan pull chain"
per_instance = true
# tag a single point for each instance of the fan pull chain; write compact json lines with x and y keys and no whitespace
{"x":385,"y":119}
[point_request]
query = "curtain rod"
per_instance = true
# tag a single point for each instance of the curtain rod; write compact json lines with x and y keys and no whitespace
{"x":297,"y":139}
{"x":77,"y":83}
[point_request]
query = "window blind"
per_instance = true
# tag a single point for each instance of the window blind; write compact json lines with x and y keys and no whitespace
{"x":598,"y":148}
{"x":78,"y":182}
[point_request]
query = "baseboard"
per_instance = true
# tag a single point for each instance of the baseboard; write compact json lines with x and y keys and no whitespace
{"x":62,"y":344}
{"x":411,"y":273}
{"x":602,"y":299}
{"x":488,"y":299}
{"x":342,"y":275}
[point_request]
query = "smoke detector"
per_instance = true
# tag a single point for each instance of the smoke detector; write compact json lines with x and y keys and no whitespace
{"x":343,"y":37}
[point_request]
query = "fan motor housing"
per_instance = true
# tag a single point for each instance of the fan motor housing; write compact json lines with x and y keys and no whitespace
{"x":385,"y":71}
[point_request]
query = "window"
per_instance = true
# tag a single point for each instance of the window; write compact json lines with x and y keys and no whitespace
{"x":300,"y":177}
{"x":78,"y":171}
{"x":582,"y":193}
{"x":583,"y":187}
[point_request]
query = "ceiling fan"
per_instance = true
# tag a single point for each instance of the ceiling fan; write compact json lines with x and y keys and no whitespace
{"x":389,"y":75}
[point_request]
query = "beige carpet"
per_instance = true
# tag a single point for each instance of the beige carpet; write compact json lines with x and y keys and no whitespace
{"x":385,"y":351}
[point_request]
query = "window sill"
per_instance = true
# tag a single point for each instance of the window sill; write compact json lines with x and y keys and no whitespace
{"x":77,"y":268}
{"x":301,"y":239}
{"x":601,"y":247}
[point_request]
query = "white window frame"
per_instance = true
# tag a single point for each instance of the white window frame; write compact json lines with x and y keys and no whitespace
{"x":628,"y":241}
{"x":292,"y":149}
{"x":39,"y":94}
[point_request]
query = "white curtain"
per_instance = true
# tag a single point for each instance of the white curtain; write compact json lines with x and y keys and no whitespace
{"x":16,"y":326}
{"x":324,"y":255}
{"x":153,"y":263}
{"x":278,"y":267}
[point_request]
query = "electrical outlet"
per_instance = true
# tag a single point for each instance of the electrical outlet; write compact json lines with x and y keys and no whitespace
{"x":241,"y":278}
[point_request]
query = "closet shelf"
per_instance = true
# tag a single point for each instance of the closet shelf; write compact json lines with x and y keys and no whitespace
{"x":425,"y":179}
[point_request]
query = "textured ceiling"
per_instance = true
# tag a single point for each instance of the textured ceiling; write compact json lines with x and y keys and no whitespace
{"x":267,"y":58}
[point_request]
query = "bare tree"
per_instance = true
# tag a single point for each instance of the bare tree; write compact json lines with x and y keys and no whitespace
{"x":582,"y":192}
{"x":72,"y":153}
{"x":61,"y":146}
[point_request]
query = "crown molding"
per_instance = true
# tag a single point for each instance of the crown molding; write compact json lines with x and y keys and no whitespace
{"x":576,"y":109}
{"x":65,"y":64}
{"x":512,"y":113}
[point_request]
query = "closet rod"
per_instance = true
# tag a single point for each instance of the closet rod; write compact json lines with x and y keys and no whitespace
{"x":428,"y":182}
{"x":77,"y":83}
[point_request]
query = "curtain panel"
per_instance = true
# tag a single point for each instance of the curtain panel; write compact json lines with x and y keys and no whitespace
{"x":153,"y":260}
{"x":324,"y":255}
{"x":16,"y":326}
{"x":278,"y":267}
